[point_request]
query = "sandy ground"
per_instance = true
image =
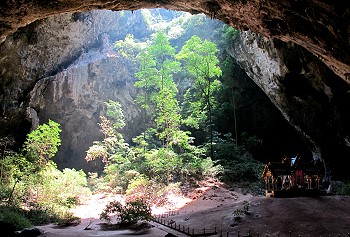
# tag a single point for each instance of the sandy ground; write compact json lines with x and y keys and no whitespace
{"x":212,"y":207}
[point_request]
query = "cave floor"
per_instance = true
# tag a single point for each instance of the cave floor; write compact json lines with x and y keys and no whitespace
{"x":213,"y":206}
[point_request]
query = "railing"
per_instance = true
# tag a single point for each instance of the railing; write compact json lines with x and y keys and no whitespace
{"x":189,"y":231}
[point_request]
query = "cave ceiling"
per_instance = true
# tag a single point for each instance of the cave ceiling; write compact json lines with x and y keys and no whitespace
{"x":322,"y":27}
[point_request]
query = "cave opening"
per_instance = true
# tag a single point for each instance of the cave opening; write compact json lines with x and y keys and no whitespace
{"x":67,"y":61}
{"x":84,"y":84}
{"x":244,"y":15}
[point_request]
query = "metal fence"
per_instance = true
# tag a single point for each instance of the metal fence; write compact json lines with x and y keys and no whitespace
{"x":189,"y":231}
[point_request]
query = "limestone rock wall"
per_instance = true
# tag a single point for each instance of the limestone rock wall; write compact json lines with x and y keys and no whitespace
{"x":75,"y":98}
{"x":309,"y":95}
{"x":45,"y":48}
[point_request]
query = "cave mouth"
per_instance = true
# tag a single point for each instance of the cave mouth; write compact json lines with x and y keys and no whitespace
{"x":235,"y":14}
{"x":98,"y":38}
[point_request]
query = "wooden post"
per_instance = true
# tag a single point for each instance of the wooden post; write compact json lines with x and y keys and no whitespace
{"x":257,"y":234}
{"x":188,"y":230}
{"x":204,"y":230}
{"x":238,"y":233}
{"x":215,"y":230}
{"x":192,"y":231}
{"x":290,"y":233}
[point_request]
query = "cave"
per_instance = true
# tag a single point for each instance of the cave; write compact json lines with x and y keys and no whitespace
{"x":296,"y":52}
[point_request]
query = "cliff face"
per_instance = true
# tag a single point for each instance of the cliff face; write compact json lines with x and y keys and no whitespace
{"x":75,"y":98}
{"x":309,"y":95}
{"x":45,"y":48}
{"x":42,"y":49}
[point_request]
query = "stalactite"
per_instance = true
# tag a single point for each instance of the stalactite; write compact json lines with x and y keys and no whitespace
{"x":212,"y":7}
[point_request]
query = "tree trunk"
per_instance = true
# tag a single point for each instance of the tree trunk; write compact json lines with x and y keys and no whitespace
{"x":234,"y":115}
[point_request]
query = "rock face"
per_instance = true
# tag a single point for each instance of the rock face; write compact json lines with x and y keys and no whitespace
{"x":43,"y":49}
{"x":255,"y":114}
{"x":75,"y":98}
{"x":320,"y":26}
{"x":60,"y":69}
{"x":309,"y":95}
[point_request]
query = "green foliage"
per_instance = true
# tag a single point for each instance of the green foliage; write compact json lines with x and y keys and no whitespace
{"x":200,"y":61}
{"x":43,"y":214}
{"x":129,"y":47}
{"x":128,"y":214}
{"x":202,"y":66}
{"x":238,"y":214}
{"x":46,"y":191}
{"x":113,"y":147}
{"x":96,"y":183}
{"x":230,"y":33}
{"x":246,"y":207}
{"x":158,"y":66}
{"x":344,"y":189}
{"x":15,"y":170}
{"x":239,"y":166}
{"x":32,"y":181}
{"x":15,"y":217}
{"x":211,"y":168}
{"x":18,"y":171}
{"x":115,"y":114}
{"x":42,"y":143}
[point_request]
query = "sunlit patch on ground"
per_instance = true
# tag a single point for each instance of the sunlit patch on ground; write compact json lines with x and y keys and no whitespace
{"x":93,"y":207}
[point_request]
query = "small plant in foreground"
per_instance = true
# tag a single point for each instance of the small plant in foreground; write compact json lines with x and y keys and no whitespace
{"x":246,"y":207}
{"x":128,"y":214}
{"x":237,"y":214}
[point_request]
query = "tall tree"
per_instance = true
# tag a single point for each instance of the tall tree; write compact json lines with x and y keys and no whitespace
{"x":157,"y":68}
{"x":201,"y":63}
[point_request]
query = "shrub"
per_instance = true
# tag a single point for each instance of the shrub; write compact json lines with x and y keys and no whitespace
{"x":47,"y":189}
{"x":15,"y":217}
{"x":128,"y":214}
{"x":210,"y":168}
{"x":344,"y":189}
{"x":67,"y":218}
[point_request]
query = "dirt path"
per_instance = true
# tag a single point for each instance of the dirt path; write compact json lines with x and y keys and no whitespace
{"x":213,"y":206}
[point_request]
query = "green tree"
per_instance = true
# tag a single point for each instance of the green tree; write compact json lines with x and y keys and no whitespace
{"x":129,"y":47}
{"x":43,"y":142}
{"x":19,"y":170}
{"x":157,"y":68}
{"x":114,"y":152}
{"x":199,"y":58}
{"x":113,"y":147}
